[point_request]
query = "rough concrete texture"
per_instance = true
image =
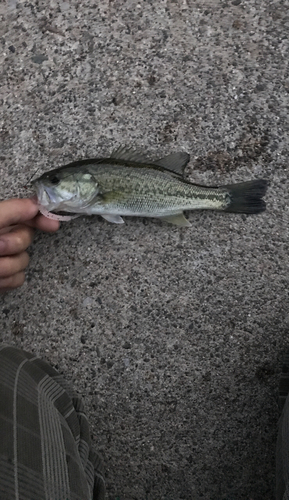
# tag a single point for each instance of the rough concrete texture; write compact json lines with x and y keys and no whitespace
{"x":174,"y":336}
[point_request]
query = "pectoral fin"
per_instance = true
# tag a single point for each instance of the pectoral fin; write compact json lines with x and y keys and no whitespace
{"x":116,"y":219}
{"x":177,"y":219}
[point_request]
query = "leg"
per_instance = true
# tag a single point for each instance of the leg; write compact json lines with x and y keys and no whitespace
{"x":45,"y":449}
{"x":282,"y":449}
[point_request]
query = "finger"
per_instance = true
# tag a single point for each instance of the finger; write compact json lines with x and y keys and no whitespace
{"x":11,"y":282}
{"x":17,"y":210}
{"x":13,"y":264}
{"x":44,"y":224}
{"x":16,"y":240}
{"x":5,"y":230}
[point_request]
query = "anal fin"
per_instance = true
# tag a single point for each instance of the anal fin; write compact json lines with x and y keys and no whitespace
{"x":177,"y":219}
{"x":116,"y":219}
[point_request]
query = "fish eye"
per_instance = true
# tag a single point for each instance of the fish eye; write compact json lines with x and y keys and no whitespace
{"x":54,"y":180}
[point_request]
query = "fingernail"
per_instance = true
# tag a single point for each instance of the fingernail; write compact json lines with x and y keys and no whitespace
{"x":3,"y":246}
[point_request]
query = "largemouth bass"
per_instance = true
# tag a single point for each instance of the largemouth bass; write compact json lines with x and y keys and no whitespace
{"x":129,"y":184}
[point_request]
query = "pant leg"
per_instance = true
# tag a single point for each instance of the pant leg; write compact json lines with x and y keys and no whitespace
{"x":282,"y":448}
{"x":45,"y":448}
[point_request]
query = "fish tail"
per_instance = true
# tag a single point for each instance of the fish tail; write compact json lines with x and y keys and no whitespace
{"x":246,"y":197}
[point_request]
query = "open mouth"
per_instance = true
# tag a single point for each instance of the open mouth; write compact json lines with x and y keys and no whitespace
{"x":46,"y":197}
{"x":47,"y":202}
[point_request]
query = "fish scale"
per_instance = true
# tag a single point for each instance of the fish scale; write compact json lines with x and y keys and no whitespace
{"x":151,"y":192}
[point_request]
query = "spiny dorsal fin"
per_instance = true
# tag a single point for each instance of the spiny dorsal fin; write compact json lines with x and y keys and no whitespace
{"x":177,"y":219}
{"x":176,"y":162}
{"x":129,"y":154}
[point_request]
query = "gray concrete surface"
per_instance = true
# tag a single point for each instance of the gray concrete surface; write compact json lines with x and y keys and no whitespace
{"x":174,"y":336}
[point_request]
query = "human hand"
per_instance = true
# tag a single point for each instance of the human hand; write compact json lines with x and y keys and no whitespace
{"x":18,"y":218}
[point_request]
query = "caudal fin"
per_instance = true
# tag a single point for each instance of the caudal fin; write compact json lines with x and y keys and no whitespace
{"x":246,"y":197}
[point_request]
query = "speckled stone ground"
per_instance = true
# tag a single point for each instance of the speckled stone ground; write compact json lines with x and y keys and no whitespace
{"x":174,"y":336}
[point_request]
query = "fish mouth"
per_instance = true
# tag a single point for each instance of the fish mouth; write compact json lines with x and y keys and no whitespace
{"x":46,"y":197}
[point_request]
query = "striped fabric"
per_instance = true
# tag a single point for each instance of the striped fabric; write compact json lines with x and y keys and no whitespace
{"x":282,"y":448}
{"x":45,"y":451}
{"x":282,"y":455}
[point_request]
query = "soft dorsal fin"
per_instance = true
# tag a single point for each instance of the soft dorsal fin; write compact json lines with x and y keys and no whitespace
{"x":129,"y":154}
{"x":176,"y":162}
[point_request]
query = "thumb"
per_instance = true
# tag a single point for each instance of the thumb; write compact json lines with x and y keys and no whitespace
{"x":17,"y":210}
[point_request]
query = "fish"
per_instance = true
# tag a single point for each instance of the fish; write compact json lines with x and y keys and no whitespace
{"x":128,"y":184}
